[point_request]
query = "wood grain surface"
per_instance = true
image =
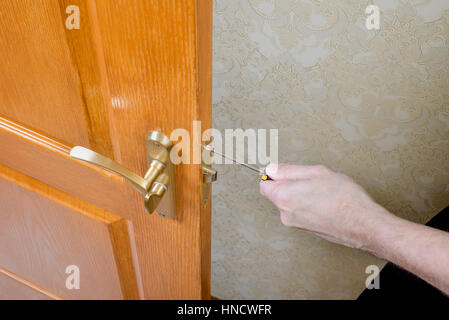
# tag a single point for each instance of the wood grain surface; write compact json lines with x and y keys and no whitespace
{"x":44,"y":230}
{"x":14,"y":287}
{"x":134,"y":66}
{"x":48,"y":160}
{"x":159,"y":78}
{"x":39,"y":85}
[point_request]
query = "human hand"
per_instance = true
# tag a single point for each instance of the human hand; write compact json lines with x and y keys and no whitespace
{"x":328,"y":204}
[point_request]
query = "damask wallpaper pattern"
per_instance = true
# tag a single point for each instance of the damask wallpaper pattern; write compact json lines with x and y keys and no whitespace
{"x":371,"y":104}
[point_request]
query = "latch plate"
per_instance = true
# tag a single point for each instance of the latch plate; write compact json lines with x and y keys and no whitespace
{"x":158,"y":146}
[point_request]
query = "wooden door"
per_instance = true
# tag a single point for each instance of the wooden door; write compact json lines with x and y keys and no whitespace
{"x":132,"y":66}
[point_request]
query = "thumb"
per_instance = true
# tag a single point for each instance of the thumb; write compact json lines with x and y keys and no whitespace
{"x":289,"y":172}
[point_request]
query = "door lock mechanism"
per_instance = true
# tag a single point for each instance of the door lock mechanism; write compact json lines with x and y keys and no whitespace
{"x":159,"y":197}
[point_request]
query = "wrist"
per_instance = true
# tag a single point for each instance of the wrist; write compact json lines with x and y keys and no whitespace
{"x":384,"y":233}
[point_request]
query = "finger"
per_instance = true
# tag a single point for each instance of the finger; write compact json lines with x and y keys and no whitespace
{"x":267,"y":188}
{"x":291,"y":172}
{"x":281,"y":193}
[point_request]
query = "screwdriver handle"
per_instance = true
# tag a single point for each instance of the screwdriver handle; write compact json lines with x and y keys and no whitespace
{"x":265,"y":177}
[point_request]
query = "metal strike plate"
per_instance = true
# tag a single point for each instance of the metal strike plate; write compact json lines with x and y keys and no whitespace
{"x":209,"y":176}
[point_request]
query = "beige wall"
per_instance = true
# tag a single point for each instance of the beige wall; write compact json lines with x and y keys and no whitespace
{"x":372,"y":104}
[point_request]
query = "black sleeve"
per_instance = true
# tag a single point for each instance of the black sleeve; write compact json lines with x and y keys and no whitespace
{"x":396,"y":283}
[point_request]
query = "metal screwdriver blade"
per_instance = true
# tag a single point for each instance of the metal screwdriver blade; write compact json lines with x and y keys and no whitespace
{"x":253,"y":168}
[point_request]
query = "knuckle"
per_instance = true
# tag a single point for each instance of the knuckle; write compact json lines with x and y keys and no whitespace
{"x":342,"y":178}
{"x":286,"y":219}
{"x":320,"y":169}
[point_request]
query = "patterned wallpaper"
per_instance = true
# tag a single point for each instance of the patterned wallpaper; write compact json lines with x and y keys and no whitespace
{"x":372,"y":104}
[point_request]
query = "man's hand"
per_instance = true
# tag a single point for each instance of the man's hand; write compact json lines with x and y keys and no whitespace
{"x":332,"y":206}
{"x":326,"y":203}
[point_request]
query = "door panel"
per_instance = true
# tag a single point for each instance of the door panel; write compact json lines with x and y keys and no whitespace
{"x":39,"y":86}
{"x":48,"y":160}
{"x":134,"y":66}
{"x":43,"y":231}
{"x":13,"y":287}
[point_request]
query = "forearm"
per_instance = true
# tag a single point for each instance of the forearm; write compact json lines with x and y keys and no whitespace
{"x":334,"y":207}
{"x":422,"y":250}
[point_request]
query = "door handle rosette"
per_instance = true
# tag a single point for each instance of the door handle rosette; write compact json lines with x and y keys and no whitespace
{"x":155,"y":184}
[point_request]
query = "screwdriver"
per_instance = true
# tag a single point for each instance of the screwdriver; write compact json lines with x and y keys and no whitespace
{"x":260,"y":171}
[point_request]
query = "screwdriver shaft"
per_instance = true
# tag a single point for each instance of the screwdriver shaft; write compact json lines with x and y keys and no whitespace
{"x":258,"y":170}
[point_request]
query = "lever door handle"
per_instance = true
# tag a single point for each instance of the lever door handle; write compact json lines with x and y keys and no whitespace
{"x":92,"y":157}
{"x":155,"y":183}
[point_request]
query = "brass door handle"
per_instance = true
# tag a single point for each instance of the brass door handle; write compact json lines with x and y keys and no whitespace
{"x":155,"y":183}
{"x":90,"y":156}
